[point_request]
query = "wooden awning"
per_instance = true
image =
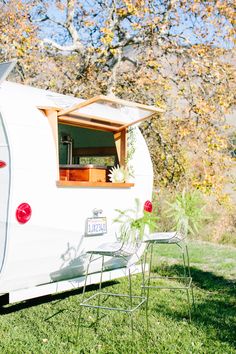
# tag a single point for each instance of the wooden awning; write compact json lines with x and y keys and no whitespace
{"x":105,"y":113}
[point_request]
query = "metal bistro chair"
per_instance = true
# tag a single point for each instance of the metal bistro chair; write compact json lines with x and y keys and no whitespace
{"x":185,"y":281}
{"x":127,"y":251}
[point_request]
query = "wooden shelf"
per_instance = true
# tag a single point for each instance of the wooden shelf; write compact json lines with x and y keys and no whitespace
{"x":93,"y":184}
{"x":83,"y":174}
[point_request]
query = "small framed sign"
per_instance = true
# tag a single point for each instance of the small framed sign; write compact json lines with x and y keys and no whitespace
{"x":96,"y":226}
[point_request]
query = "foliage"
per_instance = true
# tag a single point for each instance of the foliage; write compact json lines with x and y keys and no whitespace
{"x":131,"y":143}
{"x":189,"y":144}
{"x":177,"y":55}
{"x":172,"y":54}
{"x":48,"y":324}
{"x":134,"y":220}
{"x":220,"y":226}
{"x":217,"y":221}
{"x":18,"y":38}
{"x":187,"y":211}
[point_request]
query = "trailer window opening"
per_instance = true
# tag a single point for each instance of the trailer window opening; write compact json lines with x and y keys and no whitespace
{"x":86,"y":146}
{"x":90,"y":138}
{"x":87,"y":155}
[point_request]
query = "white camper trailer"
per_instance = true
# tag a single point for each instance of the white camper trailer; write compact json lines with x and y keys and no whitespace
{"x":56,"y":198}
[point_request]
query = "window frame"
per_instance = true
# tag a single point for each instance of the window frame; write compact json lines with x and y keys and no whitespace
{"x":72,"y":116}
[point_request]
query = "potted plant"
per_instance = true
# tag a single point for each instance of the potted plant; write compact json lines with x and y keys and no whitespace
{"x":134,"y":222}
{"x":119,"y":174}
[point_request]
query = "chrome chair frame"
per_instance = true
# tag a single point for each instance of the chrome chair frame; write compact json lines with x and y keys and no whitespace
{"x":103,"y":251}
{"x":174,"y":238}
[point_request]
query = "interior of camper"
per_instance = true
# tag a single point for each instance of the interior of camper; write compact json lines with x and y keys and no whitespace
{"x":91,"y":139}
{"x":86,"y":154}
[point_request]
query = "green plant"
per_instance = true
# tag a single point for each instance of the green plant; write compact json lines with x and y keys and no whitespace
{"x":133,"y":220}
{"x":187,"y":211}
{"x":131,"y":145}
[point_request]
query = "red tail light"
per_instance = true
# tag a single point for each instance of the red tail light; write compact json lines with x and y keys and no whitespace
{"x":2,"y":164}
{"x":148,"y":206}
{"x":23,"y":213}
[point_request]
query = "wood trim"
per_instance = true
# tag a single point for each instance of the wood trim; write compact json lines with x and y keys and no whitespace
{"x":130,"y":104}
{"x":77,"y":106}
{"x":120,"y":141}
{"x":83,"y":124}
{"x":51,"y":115}
{"x":100,"y":122}
{"x":95,"y":151}
{"x":93,"y":184}
{"x":44,"y":108}
{"x":112,"y":100}
{"x":136,"y":121}
{"x":97,"y":125}
{"x":98,"y":119}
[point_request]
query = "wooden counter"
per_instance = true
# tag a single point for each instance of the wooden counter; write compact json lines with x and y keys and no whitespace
{"x":86,"y":173}
{"x":93,"y":184}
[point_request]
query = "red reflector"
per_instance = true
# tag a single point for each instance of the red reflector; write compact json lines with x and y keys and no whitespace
{"x":23,"y":213}
{"x":148,"y":206}
{"x":2,"y":164}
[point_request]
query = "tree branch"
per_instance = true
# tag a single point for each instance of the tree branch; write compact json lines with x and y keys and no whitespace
{"x":71,"y":29}
{"x":113,"y":78}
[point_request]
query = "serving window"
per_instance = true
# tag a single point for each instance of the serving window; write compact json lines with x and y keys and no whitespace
{"x":90,"y":139}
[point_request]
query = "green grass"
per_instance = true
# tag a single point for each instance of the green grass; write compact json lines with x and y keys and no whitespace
{"x":48,"y":325}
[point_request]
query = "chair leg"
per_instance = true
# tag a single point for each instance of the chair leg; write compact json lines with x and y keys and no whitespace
{"x":83,"y":295}
{"x":188,"y":263}
{"x":183,"y":258}
{"x":143,"y":265}
{"x":131,"y":303}
{"x":143,"y":292}
{"x":148,"y":283}
{"x":78,"y":332}
{"x":99,"y":294}
{"x":89,"y":302}
{"x":189,"y":304}
{"x":189,"y":273}
{"x":186,"y":276}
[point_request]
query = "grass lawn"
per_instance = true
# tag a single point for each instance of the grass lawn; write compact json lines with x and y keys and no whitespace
{"x":48,"y":325}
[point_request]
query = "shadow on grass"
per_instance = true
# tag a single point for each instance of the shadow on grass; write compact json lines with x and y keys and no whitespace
{"x":218,"y":307}
{"x":215,"y":304}
{"x":6,"y":308}
{"x":202,"y":279}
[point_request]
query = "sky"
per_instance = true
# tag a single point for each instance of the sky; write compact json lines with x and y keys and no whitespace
{"x":189,"y":26}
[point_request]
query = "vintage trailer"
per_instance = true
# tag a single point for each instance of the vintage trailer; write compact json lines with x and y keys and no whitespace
{"x":56,"y":199}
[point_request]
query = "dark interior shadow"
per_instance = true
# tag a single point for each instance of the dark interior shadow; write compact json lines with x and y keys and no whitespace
{"x":6,"y":308}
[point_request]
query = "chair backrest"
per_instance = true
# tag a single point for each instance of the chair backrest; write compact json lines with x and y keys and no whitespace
{"x":136,"y":245}
{"x":183,"y":229}
{"x":134,"y":227}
